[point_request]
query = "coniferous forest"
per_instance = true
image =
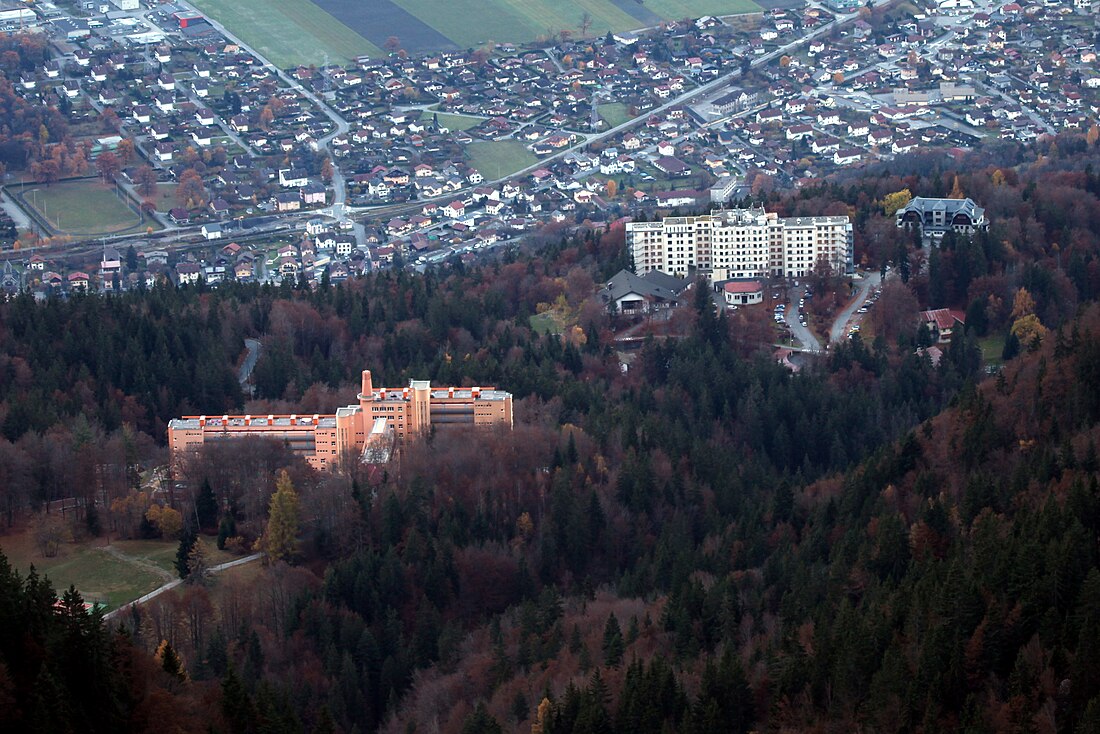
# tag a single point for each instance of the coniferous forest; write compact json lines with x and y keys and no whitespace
{"x":703,"y":542}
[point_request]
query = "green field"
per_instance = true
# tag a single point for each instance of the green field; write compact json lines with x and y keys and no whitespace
{"x":87,"y":207}
{"x":614,"y":113}
{"x":453,"y":123}
{"x":166,"y":196}
{"x":115,"y":574}
{"x":289,"y":32}
{"x":992,"y":347}
{"x":545,"y":323}
{"x":500,"y":158}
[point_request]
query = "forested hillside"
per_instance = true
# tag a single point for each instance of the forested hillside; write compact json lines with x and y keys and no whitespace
{"x":704,"y":542}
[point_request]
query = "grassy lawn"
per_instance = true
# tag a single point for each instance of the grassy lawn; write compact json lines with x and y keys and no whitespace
{"x":87,"y":207}
{"x":289,"y":32}
{"x":453,"y":123}
{"x":545,"y":323}
{"x":614,"y":113}
{"x":166,"y":196}
{"x":992,"y":348}
{"x":499,"y":158}
{"x":117,"y":574}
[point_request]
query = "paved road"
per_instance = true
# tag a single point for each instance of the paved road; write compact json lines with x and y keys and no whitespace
{"x":839,"y":330}
{"x":253,"y":346}
{"x":809,"y":341}
{"x":173,"y":584}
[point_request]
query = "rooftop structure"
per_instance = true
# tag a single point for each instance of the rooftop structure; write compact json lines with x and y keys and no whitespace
{"x":739,"y":244}
{"x":935,"y":217}
{"x":367,"y":430}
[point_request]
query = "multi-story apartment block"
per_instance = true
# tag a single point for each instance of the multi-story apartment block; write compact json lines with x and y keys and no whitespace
{"x":740,"y":243}
{"x":356,"y":430}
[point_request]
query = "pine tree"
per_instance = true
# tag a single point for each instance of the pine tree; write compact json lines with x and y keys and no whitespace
{"x":613,"y":645}
{"x":206,"y":506}
{"x":183,"y":552}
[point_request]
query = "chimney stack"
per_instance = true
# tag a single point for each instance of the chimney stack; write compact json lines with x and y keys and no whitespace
{"x":368,"y":387}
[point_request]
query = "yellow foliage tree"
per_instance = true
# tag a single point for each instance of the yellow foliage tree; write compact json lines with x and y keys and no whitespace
{"x":167,"y":521}
{"x":1029,"y":330}
{"x":541,"y":717}
{"x":1023,"y":304}
{"x":280,"y":538}
{"x":1093,"y":135}
{"x":897,"y":200}
{"x":612,"y":188}
{"x":998,"y":178}
{"x":956,"y":190}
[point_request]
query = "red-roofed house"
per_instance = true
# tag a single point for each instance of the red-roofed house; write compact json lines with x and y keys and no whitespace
{"x":743,"y":292}
{"x":942,"y":322}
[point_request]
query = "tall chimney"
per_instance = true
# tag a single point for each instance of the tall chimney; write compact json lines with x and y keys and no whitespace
{"x":368,"y":387}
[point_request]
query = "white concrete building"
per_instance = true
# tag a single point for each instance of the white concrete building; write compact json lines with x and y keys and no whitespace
{"x":740,"y":243}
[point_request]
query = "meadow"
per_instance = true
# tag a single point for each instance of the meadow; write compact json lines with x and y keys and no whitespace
{"x":292,"y":32}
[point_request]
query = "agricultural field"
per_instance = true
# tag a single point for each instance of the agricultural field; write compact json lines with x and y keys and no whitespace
{"x":83,"y":208}
{"x":500,"y":158}
{"x":290,"y":32}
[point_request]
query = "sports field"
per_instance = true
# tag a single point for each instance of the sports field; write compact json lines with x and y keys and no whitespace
{"x":88,"y":207}
{"x":290,"y":32}
{"x":500,"y":158}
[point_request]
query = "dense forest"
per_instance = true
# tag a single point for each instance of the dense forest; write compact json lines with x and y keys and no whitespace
{"x":704,"y":542}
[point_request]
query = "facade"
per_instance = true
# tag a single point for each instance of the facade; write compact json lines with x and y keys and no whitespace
{"x":740,"y":244}
{"x":356,"y":430}
{"x":935,"y":217}
{"x":743,"y":292}
{"x":627,"y":293}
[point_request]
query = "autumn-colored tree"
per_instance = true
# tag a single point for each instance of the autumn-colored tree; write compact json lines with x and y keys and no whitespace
{"x":897,"y":200}
{"x":109,"y":120}
{"x":197,"y":565}
{"x":1022,"y":304}
{"x":392,"y":44}
{"x":784,"y":61}
{"x":1093,"y":135}
{"x":267,"y":116}
{"x":612,"y":188}
{"x":126,"y":151}
{"x":190,"y":192}
{"x":838,"y":77}
{"x":167,"y":521}
{"x":956,"y":189}
{"x":1029,"y":331}
{"x":327,"y":170}
{"x":998,"y":178}
{"x":107,"y":165}
{"x":146,"y":179}
{"x":280,"y":538}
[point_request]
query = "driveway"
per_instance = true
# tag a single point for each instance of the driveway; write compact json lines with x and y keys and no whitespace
{"x":809,"y":341}
{"x":839,"y":330}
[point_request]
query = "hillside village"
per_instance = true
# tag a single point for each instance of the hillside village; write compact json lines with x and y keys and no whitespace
{"x":328,"y":172}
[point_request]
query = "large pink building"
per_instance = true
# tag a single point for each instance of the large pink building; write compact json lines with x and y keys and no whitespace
{"x":356,"y":431}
